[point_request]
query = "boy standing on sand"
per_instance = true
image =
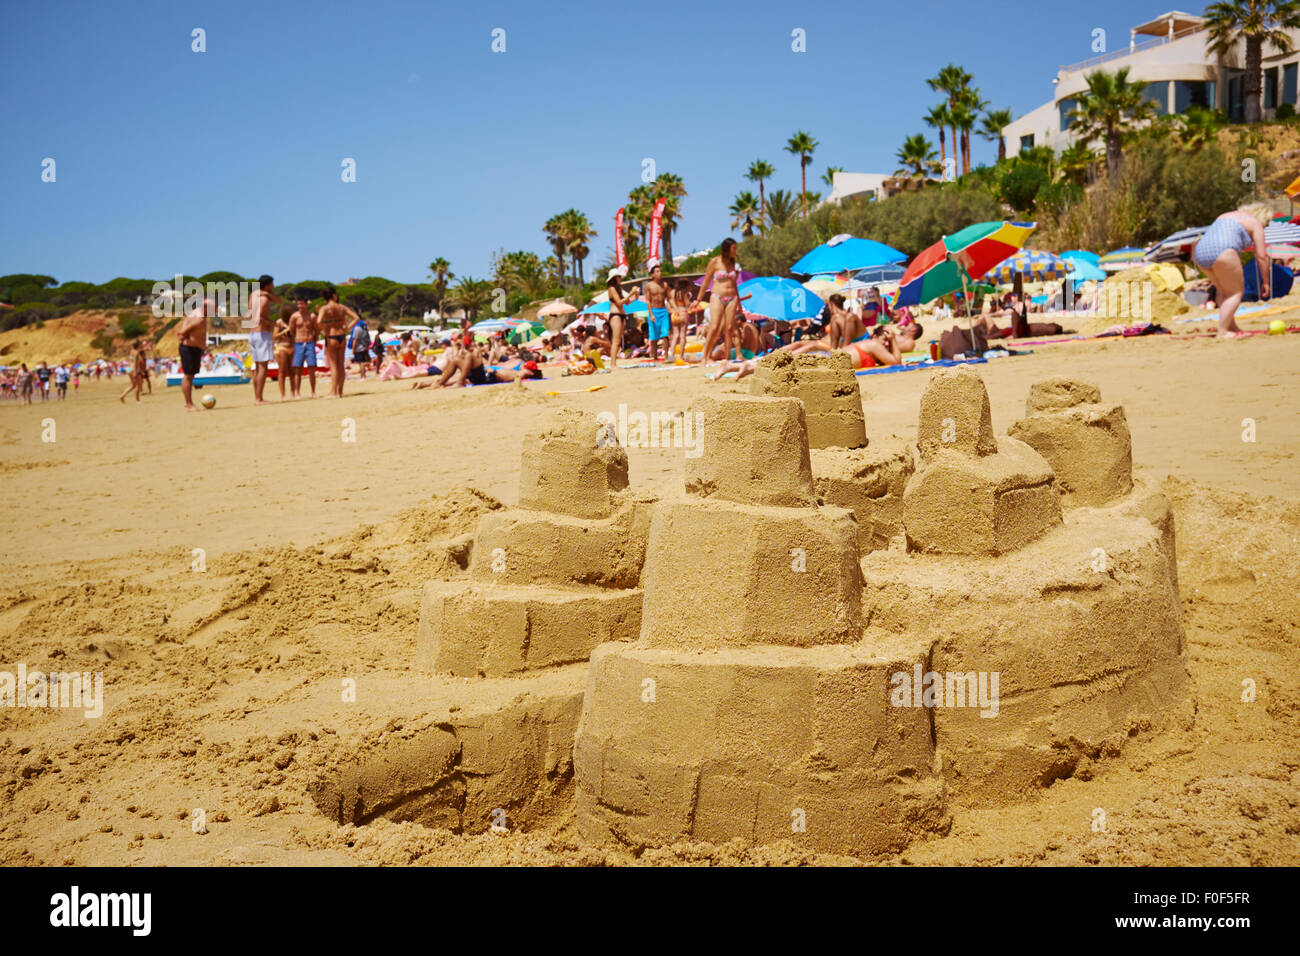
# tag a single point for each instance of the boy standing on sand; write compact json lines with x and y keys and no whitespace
{"x":303,"y":328}
{"x":193,"y":336}
{"x":656,"y":296}
{"x":260,"y":341}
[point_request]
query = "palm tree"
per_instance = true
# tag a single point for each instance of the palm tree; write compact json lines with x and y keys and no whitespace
{"x":916,"y":153}
{"x":760,"y":170}
{"x":1110,"y":107}
{"x":939,"y":118}
{"x":744,"y":210}
{"x":1257,"y":22}
{"x":780,"y":207}
{"x":555,"y":235}
{"x":991,"y":125}
{"x":1074,"y":162}
{"x":637,"y":209}
{"x":802,"y":144}
{"x":966,"y":113}
{"x":472,"y":295}
{"x":440,"y":272}
{"x":670,"y":188}
{"x":828,"y":177}
{"x":576,"y":230}
{"x":951,"y":80}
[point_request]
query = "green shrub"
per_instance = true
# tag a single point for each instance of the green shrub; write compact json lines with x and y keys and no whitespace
{"x":132,"y":326}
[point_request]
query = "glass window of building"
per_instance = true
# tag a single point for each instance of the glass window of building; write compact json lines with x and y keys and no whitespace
{"x":1189,"y":93}
{"x":1289,"y":83}
{"x":1270,"y":88}
{"x":1068,"y":106}
{"x":1157,"y":94}
{"x":1027,"y":142}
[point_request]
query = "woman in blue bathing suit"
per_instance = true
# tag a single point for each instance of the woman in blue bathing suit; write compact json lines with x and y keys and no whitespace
{"x":1218,"y":254}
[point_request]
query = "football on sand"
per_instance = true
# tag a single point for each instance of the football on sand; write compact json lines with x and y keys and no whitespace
{"x":209,"y":400}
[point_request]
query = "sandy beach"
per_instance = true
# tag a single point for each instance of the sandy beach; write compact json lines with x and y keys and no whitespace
{"x":222,"y":678}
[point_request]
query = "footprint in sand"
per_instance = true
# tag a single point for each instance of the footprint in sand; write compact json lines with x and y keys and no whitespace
{"x":1230,"y":586}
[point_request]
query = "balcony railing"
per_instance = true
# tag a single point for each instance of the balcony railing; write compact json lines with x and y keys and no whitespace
{"x":1150,"y":44}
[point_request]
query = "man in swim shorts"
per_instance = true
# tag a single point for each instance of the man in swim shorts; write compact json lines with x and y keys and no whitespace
{"x":303,"y":327}
{"x":660,"y":326}
{"x":193,"y":336}
{"x":261,"y":341}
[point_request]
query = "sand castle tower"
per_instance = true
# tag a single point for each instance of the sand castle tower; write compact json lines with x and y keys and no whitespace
{"x":553,"y":578}
{"x":1075,"y":609}
{"x":848,"y":471}
{"x":748,"y":706}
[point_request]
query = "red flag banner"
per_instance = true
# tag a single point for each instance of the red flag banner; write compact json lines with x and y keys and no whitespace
{"x":618,"y":242}
{"x":656,"y":228}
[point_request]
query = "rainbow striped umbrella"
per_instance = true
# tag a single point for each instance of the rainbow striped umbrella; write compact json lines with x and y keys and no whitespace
{"x":1033,"y":264}
{"x":965,"y":255}
{"x":1119,"y":259}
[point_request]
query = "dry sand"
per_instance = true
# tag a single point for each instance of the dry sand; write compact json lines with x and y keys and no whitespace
{"x":223,"y":687}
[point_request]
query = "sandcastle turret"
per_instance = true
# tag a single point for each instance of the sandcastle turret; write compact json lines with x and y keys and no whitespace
{"x":866,"y":477}
{"x":1086,"y":442}
{"x":553,"y":578}
{"x":973,"y":494}
{"x":749,"y":708}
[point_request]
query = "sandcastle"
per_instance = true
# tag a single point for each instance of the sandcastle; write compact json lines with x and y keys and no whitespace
{"x":755,"y":672}
{"x":749,"y":707}
{"x":553,"y":578}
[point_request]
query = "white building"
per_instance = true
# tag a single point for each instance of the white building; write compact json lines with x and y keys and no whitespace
{"x":844,"y":185}
{"x":1169,"y":55}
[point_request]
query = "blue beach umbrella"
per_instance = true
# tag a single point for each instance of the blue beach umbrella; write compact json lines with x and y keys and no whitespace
{"x":874,"y":275}
{"x":1033,"y":264}
{"x":843,"y":253}
{"x":779,"y":298}
{"x":1081,"y":255}
{"x":1083,"y":269}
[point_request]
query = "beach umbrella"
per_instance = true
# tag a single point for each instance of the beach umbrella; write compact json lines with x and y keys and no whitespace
{"x":846,"y":253}
{"x":1083,"y":269}
{"x":1082,"y":255}
{"x":965,"y":255}
{"x":1119,"y":259}
{"x":1285,"y":251}
{"x":1280,"y":232}
{"x":876,"y":275}
{"x":1177,"y":247}
{"x":778,"y":298}
{"x":558,"y":307}
{"x":490,"y":325}
{"x":1033,"y":264}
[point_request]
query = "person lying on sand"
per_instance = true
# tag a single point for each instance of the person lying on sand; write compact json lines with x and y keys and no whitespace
{"x":885,"y":347}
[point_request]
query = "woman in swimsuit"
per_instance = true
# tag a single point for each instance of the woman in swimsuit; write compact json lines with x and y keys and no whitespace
{"x":679,"y":305}
{"x":334,"y":325}
{"x":1218,"y":253}
{"x":720,"y":282}
{"x":617,"y":316}
{"x":842,"y":328}
{"x":283,"y":340}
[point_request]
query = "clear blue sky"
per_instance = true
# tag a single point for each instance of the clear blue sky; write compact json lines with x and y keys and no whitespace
{"x":174,"y":161}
